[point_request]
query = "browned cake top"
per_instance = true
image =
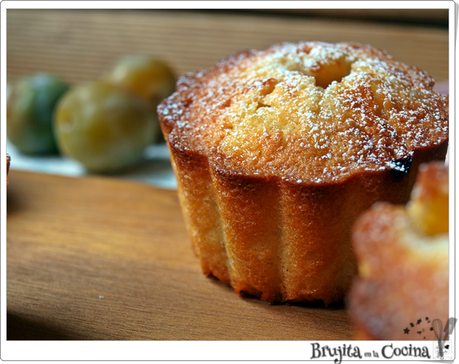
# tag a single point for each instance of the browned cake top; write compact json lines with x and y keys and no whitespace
{"x":306,"y":112}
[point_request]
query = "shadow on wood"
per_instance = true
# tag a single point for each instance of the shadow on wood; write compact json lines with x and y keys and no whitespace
{"x":22,"y":328}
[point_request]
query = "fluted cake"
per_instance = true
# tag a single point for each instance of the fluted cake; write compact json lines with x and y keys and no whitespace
{"x":277,"y":152}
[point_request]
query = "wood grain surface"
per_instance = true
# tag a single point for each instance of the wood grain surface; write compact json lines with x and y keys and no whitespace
{"x":102,"y":258}
{"x":80,"y":44}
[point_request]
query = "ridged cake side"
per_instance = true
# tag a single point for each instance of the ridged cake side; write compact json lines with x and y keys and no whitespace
{"x":278,"y":240}
{"x":201,"y":212}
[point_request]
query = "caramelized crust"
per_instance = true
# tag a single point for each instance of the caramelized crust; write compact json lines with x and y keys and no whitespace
{"x":403,"y":272}
{"x":277,"y":152}
{"x":308,"y":112}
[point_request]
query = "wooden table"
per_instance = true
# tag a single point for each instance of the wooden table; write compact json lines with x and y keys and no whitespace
{"x":102,"y":258}
{"x":80,"y":44}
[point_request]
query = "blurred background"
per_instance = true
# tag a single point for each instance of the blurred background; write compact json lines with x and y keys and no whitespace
{"x":80,"y":45}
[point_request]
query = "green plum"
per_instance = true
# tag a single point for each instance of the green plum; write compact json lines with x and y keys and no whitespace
{"x":30,"y":107}
{"x":104,"y":127}
{"x":148,"y":77}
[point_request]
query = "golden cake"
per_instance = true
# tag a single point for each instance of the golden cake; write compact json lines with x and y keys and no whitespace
{"x":402,"y":255}
{"x":277,"y":152}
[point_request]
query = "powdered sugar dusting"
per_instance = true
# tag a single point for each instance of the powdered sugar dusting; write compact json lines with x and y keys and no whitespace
{"x":307,"y":112}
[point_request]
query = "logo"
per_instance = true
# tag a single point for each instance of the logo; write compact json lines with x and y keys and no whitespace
{"x":442,"y":335}
{"x":338,"y":353}
{"x":389,"y":351}
{"x":446,"y":352}
{"x":423,"y":328}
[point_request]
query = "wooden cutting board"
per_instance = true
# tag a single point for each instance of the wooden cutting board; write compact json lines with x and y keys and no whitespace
{"x":103,"y":258}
